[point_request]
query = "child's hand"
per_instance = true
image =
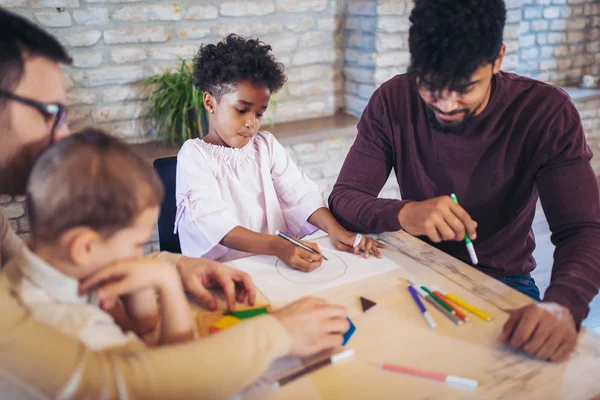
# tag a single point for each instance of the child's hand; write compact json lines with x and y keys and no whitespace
{"x":129,"y":319}
{"x":129,"y":277}
{"x":134,"y":278}
{"x":298,"y":258}
{"x":344,"y":241}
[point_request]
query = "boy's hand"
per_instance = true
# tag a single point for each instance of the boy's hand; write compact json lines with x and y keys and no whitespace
{"x":128,"y":277}
{"x":296,"y":257}
{"x":133,"y":277}
{"x":344,"y":241}
{"x":313,"y":325}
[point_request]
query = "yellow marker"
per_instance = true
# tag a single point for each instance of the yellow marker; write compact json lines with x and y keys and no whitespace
{"x":468,"y":307}
{"x":227,"y":322}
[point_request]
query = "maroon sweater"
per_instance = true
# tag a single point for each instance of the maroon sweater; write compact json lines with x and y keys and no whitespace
{"x":527,"y":142}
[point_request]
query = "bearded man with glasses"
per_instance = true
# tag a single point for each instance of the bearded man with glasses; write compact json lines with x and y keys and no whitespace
{"x":32,"y":92}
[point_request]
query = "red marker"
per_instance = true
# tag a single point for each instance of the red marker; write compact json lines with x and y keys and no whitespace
{"x":449,"y":379}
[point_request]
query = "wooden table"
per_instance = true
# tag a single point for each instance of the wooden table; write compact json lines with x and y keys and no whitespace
{"x":394,"y":331}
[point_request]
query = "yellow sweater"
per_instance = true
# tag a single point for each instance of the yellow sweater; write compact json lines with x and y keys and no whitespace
{"x":39,"y":357}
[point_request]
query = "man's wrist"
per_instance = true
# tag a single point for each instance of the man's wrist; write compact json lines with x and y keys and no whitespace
{"x":403,"y":209}
{"x":568,"y":298}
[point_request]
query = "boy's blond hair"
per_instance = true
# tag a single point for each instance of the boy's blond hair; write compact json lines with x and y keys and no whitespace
{"x":89,"y":179}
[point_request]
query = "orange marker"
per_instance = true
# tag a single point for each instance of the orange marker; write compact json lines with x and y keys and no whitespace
{"x":444,"y":300}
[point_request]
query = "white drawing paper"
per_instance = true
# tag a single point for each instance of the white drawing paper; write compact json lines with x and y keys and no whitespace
{"x":282,"y":284}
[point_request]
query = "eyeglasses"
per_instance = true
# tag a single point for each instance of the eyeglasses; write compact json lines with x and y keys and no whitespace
{"x":50,"y":111}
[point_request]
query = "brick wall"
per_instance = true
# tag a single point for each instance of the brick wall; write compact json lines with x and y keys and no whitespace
{"x":560,"y":40}
{"x":307,"y":36}
{"x":360,"y":26}
{"x":556,"y":41}
{"x":118,"y":43}
{"x":376,"y":45}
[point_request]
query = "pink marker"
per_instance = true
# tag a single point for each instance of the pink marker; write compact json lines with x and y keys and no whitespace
{"x":448,"y":379}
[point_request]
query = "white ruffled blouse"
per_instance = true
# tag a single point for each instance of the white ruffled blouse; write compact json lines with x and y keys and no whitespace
{"x":257,"y":187}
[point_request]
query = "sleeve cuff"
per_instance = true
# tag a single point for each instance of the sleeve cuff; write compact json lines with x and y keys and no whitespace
{"x":569,"y":298}
{"x":297,"y":216}
{"x":198,"y":238}
{"x":388,"y":216}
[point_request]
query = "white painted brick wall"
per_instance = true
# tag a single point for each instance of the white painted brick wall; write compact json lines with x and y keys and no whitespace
{"x":116,"y":44}
{"x":125,"y":41}
{"x":558,"y":24}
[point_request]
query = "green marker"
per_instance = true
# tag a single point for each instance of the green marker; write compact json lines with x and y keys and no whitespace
{"x":470,"y":247}
{"x":440,"y":302}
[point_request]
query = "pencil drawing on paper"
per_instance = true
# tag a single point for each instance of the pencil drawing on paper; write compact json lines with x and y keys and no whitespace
{"x":327,"y":272}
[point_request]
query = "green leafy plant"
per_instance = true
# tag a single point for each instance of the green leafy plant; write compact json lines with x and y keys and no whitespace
{"x":175,"y":105}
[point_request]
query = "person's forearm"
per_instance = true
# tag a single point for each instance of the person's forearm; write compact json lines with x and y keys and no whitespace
{"x":576,"y":271}
{"x":571,"y":202}
{"x":142,"y":309}
{"x":248,"y":241}
{"x":55,"y":364}
{"x":360,"y":212}
{"x":169,"y":258}
{"x":353,"y":200}
{"x":324,"y":220}
{"x":175,"y":318}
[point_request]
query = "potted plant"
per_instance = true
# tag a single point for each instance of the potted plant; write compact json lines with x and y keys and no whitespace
{"x":175,"y":105}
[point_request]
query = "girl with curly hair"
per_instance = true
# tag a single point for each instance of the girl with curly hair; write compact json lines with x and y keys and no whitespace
{"x":237,"y":186}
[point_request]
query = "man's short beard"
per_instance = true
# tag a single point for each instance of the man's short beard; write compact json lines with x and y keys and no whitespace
{"x":454,"y":129}
{"x":15,"y":167}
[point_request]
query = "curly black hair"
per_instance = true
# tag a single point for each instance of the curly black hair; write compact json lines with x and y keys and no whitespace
{"x":218,"y":67}
{"x":450,"y":39}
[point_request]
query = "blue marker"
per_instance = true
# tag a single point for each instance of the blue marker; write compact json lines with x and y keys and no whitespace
{"x":421,"y":306}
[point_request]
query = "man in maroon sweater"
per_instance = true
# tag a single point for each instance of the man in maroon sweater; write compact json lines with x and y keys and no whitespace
{"x":457,"y":124}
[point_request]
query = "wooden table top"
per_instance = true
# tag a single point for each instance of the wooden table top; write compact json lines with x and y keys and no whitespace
{"x":394,"y":331}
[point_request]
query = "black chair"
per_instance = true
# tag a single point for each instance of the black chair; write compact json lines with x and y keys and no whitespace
{"x":167,"y":170}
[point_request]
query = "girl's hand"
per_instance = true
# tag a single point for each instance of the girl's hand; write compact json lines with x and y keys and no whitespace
{"x":344,"y":241}
{"x":296,"y":257}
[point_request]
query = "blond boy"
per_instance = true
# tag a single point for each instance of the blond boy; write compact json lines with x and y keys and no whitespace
{"x":94,"y":202}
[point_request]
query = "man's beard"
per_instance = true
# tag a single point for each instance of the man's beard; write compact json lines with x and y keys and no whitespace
{"x":15,"y":167}
{"x":451,"y":128}
{"x":14,"y":175}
